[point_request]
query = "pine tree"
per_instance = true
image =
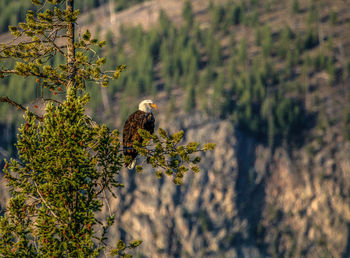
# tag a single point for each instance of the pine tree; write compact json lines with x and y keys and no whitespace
{"x":267,"y":41}
{"x":190,"y":102}
{"x":295,"y":6}
{"x":66,"y":160}
{"x":187,"y":14}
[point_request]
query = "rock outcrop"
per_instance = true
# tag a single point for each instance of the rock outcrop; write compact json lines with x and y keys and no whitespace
{"x":245,"y":202}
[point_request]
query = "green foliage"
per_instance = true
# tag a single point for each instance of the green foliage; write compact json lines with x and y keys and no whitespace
{"x":333,"y":18}
{"x":31,"y":55}
{"x":217,"y":17}
{"x":312,"y":15}
{"x":295,"y":6}
{"x":121,"y":247}
{"x":12,"y":12}
{"x":187,"y":14}
{"x":218,"y":96}
{"x":67,"y":162}
{"x":266,"y":41}
{"x":168,"y":156}
{"x":284,"y":44}
{"x":236,"y":14}
{"x":56,"y":186}
{"x":190,"y":102}
{"x":121,"y":5}
{"x":311,"y":40}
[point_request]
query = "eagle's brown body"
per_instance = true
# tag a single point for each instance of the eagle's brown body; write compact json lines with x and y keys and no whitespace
{"x":139,"y":119}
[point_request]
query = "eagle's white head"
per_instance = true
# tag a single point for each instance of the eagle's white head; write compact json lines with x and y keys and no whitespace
{"x":147,"y":106}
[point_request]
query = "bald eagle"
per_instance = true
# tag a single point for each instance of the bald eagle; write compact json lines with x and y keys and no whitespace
{"x":142,"y":118}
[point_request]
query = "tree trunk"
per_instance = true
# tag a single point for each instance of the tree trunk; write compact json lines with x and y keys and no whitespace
{"x":70,"y":50}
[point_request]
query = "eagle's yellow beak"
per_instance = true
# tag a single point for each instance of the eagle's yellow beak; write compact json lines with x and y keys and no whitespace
{"x":154,"y":106}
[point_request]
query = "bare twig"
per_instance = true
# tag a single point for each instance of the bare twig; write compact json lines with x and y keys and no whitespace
{"x":8,"y":71}
{"x":47,"y":205}
{"x":107,"y":202}
{"x":19,"y":106}
{"x":30,"y":73}
{"x":4,"y":153}
{"x":54,"y":44}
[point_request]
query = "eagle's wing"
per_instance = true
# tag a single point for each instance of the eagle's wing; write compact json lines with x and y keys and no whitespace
{"x":148,"y":123}
{"x":132,"y":124}
{"x":138,"y":119}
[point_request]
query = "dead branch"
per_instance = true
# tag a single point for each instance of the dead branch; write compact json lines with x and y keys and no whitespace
{"x":18,"y":106}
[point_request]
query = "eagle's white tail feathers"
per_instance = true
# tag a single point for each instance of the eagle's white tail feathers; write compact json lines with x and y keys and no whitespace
{"x":132,"y":164}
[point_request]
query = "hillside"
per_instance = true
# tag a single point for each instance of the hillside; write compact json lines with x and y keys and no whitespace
{"x":265,"y":80}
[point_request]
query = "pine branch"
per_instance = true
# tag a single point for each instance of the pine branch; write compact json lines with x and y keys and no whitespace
{"x":30,"y":73}
{"x":3,"y":72}
{"x":19,"y":106}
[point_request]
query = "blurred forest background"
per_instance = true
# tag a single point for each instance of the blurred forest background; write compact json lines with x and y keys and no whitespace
{"x":274,"y":73}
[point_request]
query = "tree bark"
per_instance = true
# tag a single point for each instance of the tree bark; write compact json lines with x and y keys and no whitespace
{"x":70,"y":50}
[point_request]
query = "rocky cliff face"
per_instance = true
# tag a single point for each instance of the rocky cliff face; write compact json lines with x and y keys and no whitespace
{"x":307,"y":203}
{"x":246,"y":202}
{"x":200,"y":218}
